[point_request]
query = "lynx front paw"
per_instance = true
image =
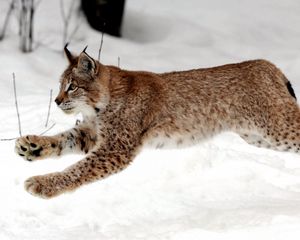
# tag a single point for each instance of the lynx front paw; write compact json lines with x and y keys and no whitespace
{"x":34,"y":147}
{"x":45,"y":186}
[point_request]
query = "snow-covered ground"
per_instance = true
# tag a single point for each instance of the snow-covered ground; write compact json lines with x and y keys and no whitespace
{"x":220,"y":189}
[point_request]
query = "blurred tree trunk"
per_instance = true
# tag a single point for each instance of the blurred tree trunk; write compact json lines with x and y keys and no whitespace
{"x":9,"y":12}
{"x":104,"y":15}
{"x":26,"y":25}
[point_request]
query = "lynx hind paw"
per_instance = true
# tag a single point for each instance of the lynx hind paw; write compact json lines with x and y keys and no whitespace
{"x":42,"y":186}
{"x":31,"y":147}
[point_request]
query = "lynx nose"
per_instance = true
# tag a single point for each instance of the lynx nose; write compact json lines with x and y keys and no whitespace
{"x":58,"y":101}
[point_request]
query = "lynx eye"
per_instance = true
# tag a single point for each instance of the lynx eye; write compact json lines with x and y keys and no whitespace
{"x":72,"y":87}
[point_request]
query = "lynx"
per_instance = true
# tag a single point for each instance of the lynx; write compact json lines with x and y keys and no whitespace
{"x":123,"y":111}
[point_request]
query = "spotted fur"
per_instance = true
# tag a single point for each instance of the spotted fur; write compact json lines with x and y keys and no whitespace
{"x":126,"y":110}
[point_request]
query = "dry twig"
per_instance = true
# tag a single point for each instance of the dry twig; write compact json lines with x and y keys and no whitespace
{"x":41,"y":134}
{"x":16,"y":103}
{"x":7,"y":139}
{"x":66,"y":19}
{"x":47,"y":130}
{"x":100,"y":48}
{"x":19,"y":121}
{"x":49,"y":108}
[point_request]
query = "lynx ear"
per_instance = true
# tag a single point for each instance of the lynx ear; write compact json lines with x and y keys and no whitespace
{"x":86,"y":64}
{"x":68,"y":54}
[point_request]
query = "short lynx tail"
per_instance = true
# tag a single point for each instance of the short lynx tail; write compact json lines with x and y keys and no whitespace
{"x":289,"y":86}
{"x":290,"y":89}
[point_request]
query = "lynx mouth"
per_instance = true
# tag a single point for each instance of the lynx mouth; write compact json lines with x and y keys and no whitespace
{"x":68,"y":110}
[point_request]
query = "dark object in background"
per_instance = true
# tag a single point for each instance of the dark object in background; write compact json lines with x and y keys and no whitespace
{"x":104,"y":15}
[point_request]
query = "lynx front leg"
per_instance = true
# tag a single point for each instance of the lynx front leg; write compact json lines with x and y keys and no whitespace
{"x":116,"y":152}
{"x":34,"y":147}
{"x":98,"y":165}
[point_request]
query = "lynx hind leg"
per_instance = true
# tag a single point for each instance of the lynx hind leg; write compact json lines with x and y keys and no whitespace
{"x":283,"y":129}
{"x":284,"y":137}
{"x":277,"y":137}
{"x":257,"y":140}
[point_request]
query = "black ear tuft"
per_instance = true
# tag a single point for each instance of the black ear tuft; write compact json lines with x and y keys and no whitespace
{"x":85,"y":48}
{"x":69,"y":55}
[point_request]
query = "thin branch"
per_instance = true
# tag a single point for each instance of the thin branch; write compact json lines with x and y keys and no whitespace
{"x":70,"y":10}
{"x":37,"y":4}
{"x":49,"y":108}
{"x":66,"y":19}
{"x":119,"y":60}
{"x":16,"y":103}
{"x":101,"y":43}
{"x":47,"y":130}
{"x":11,"y":139}
{"x":62,"y":10}
{"x":74,"y":31}
{"x":7,"y":139}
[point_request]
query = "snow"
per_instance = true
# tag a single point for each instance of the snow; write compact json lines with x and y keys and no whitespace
{"x":219,"y":189}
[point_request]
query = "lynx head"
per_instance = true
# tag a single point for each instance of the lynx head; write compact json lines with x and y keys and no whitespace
{"x":83,"y":85}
